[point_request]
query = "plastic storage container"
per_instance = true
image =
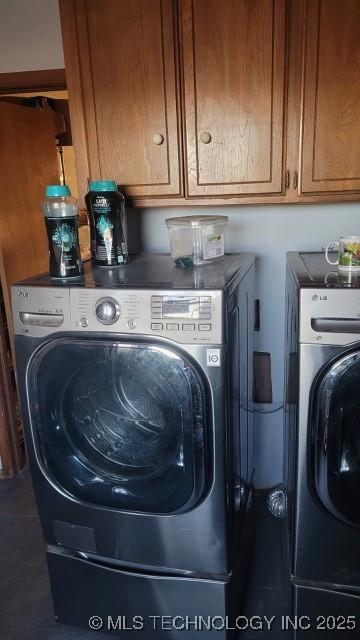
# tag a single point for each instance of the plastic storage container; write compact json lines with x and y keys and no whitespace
{"x":197,"y":238}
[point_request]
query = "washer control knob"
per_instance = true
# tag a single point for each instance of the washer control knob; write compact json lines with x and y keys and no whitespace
{"x":84,"y":322}
{"x":107,"y":310}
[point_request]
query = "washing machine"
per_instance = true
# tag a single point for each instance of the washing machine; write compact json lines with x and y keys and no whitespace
{"x":322,"y":447}
{"x":135,"y":388}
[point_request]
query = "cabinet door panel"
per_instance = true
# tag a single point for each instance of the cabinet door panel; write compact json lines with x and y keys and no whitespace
{"x":331,"y":109}
{"x":233,"y":56}
{"x":129,"y":82}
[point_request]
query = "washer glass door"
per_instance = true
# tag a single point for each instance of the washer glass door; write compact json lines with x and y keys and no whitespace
{"x":336,"y":438}
{"x":119,"y":424}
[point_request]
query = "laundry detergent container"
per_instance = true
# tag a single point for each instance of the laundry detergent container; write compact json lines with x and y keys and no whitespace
{"x":197,"y":238}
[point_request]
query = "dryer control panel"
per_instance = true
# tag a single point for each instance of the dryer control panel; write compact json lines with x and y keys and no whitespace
{"x":329,"y":316}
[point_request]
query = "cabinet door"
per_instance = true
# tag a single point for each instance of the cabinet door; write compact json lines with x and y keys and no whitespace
{"x":233,"y":56}
{"x":331,"y":97}
{"x":126,"y":66}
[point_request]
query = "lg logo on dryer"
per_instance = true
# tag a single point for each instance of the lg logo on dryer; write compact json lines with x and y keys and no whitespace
{"x":23,"y":294}
{"x":315,"y":298}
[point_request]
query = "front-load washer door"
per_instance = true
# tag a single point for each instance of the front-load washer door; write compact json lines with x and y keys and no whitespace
{"x":335,"y":445}
{"x":120,"y":425}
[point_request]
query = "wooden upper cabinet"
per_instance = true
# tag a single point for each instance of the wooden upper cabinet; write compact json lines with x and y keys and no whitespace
{"x":233,"y":65}
{"x":216,"y":101}
{"x":331,"y":98}
{"x":121,"y":68}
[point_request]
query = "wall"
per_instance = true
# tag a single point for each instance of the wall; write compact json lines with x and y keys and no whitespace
{"x":30,"y":35}
{"x":269,"y":231}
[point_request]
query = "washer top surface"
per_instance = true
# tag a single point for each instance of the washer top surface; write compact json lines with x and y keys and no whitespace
{"x":310,"y":269}
{"x":155,"y":271}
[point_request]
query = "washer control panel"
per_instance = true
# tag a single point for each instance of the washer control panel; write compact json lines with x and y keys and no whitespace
{"x":180,"y":316}
{"x":181,"y":306}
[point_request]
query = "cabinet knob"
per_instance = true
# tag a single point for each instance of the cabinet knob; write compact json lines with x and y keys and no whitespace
{"x":205,"y":137}
{"x":158,"y":138}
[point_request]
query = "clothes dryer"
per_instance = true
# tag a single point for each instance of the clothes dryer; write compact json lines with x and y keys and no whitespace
{"x":322,"y":446}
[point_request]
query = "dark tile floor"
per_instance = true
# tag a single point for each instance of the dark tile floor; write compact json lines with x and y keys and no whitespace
{"x":25,"y":602}
{"x":266,"y":594}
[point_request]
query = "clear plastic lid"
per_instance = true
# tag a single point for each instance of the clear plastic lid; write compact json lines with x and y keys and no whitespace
{"x":60,"y":207}
{"x":196,"y":221}
{"x":59,"y":202}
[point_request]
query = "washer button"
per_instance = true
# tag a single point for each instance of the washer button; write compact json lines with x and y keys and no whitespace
{"x":188,"y":327}
{"x":172,"y":326}
{"x":84,"y":322}
{"x":157,"y":326}
{"x":204,"y":327}
{"x":131,"y":323}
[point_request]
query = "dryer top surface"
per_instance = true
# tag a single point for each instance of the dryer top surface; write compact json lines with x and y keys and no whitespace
{"x":311,"y":270}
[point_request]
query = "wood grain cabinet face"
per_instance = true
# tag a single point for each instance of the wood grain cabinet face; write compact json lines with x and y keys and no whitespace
{"x":233,"y":64}
{"x":127,"y":63}
{"x":331,"y":97}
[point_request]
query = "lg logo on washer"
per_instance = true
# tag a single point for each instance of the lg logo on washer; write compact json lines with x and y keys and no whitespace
{"x":213,"y":358}
{"x":23,"y":294}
